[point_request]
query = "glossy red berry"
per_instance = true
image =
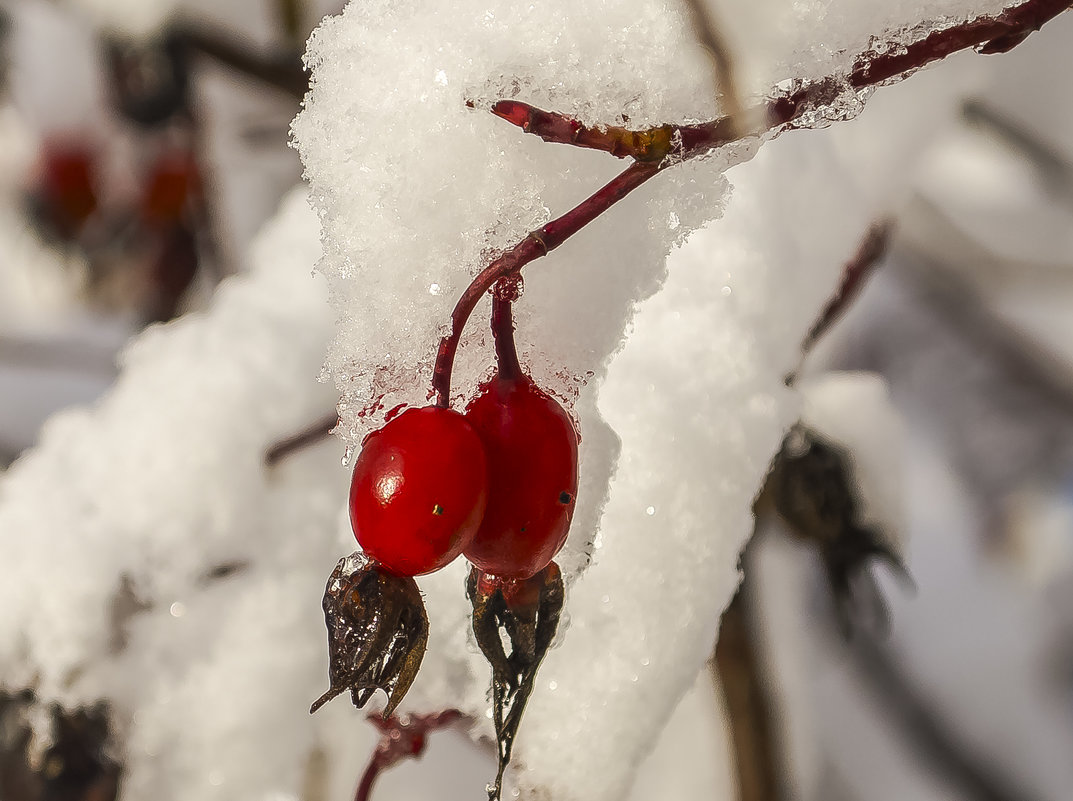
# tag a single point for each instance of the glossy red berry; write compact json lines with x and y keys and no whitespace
{"x":419,"y":491}
{"x":532,"y":451}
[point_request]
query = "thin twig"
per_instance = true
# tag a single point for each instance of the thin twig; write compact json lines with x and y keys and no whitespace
{"x":710,"y":33}
{"x":855,"y":273}
{"x":310,"y":435}
{"x":401,"y":738}
{"x":990,"y":34}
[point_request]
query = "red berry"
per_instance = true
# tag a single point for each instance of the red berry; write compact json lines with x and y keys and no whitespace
{"x":171,"y":182}
{"x":419,"y":491}
{"x":531,"y":446}
{"x":67,"y":185}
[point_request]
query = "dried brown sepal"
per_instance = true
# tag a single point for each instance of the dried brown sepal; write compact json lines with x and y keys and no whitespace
{"x":527,"y":613}
{"x":814,"y":490}
{"x":377,"y":632}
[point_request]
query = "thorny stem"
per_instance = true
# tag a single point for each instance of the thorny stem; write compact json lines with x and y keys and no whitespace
{"x":400,"y":738}
{"x":649,"y":149}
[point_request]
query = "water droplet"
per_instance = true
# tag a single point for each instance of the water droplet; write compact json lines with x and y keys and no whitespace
{"x":441,"y":77}
{"x":553,"y":685}
{"x":726,"y":290}
{"x":216,"y":778}
{"x":651,"y":510}
{"x":606,"y":599}
{"x":434,"y":289}
{"x":645,"y":662}
{"x":177,"y":609}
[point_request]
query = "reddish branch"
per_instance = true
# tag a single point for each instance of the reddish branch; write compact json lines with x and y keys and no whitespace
{"x":400,"y":738}
{"x":650,"y":149}
{"x":857,"y":270}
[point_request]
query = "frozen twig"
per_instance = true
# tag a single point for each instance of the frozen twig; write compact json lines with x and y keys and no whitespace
{"x":310,"y":435}
{"x":711,"y":37}
{"x":989,"y":34}
{"x":401,"y":738}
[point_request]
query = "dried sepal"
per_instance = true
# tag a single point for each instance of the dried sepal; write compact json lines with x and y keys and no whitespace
{"x":813,"y":488}
{"x":525,"y":613}
{"x":377,"y":632}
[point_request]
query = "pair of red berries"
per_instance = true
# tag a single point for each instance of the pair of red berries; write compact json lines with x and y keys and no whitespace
{"x":497,"y":484}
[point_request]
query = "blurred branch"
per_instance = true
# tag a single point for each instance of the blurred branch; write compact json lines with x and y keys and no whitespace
{"x":925,"y":731}
{"x":1053,"y":169}
{"x":855,"y":273}
{"x":750,"y":708}
{"x":711,"y":37}
{"x":311,"y":435}
{"x":962,"y":305}
{"x":283,"y":71}
{"x":291,"y":14}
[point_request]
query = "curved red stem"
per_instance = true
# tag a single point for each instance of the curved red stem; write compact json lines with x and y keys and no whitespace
{"x":538,"y":243}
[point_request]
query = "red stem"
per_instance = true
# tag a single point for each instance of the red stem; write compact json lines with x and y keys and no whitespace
{"x":368,"y":779}
{"x":536,"y":244}
{"x":650,"y":148}
{"x":503,"y":298}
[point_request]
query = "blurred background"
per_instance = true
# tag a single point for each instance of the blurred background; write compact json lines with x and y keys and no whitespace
{"x":133,"y":174}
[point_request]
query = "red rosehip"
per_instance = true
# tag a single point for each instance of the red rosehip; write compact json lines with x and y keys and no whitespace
{"x":532,"y":447}
{"x":419,"y":491}
{"x":67,"y":188}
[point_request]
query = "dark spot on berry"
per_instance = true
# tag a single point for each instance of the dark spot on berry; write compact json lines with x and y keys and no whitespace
{"x":437,"y":510}
{"x":565,"y":497}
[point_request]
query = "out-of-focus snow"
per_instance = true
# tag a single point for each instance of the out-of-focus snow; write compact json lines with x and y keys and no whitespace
{"x":134,"y":503}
